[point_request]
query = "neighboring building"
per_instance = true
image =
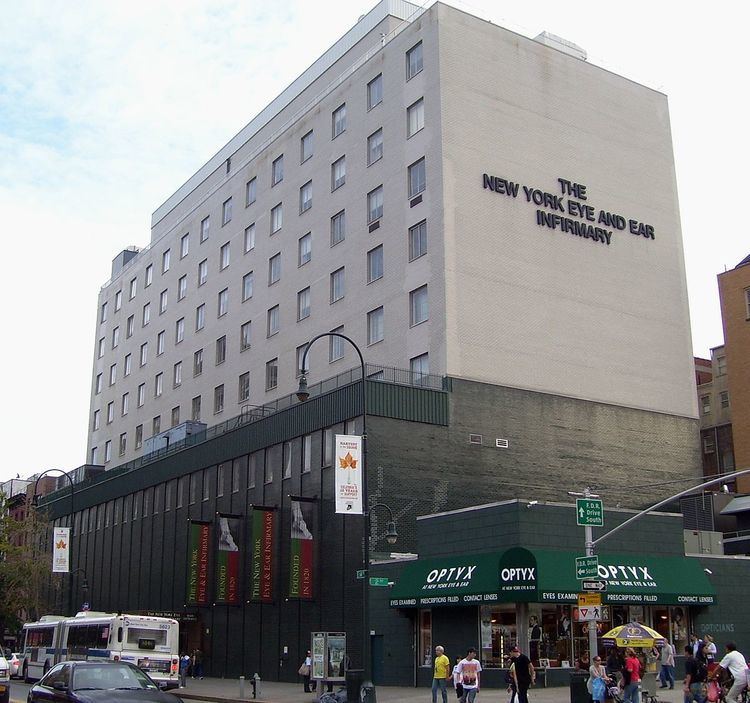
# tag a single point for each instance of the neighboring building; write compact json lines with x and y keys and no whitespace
{"x":715,"y":414}
{"x":433,"y":188}
{"x":734,"y":295}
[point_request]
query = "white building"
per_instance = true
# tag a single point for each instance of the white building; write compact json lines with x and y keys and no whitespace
{"x":457,"y":198}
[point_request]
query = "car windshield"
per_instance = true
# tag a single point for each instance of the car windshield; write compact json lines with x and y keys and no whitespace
{"x":109,"y":676}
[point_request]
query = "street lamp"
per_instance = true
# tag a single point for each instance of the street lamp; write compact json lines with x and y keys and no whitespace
{"x":35,"y":503}
{"x":391,"y":536}
{"x":84,"y":582}
{"x":303,"y":394}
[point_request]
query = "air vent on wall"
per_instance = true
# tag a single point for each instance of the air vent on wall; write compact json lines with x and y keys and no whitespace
{"x":475,"y":439}
{"x":501,"y":443}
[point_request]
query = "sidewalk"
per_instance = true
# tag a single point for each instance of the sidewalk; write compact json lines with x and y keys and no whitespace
{"x":228,"y":690}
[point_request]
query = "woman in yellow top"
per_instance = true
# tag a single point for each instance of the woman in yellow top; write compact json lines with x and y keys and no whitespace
{"x":441,"y":675}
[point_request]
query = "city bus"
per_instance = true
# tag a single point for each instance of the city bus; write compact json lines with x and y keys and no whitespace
{"x":148,"y":642}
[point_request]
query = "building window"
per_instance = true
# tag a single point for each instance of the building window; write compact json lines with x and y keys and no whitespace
{"x":417,"y":181}
{"x":708,"y":445}
{"x":125,"y":405}
{"x":158,"y":384}
{"x":98,"y":384}
{"x":156,"y":425}
{"x":251,"y":191}
{"x":306,"y":146}
{"x":160,"y":343}
{"x":144,"y":353}
{"x":182,"y":287}
{"x":338,"y":173}
{"x":220,"y":480}
{"x":112,"y":374}
{"x":338,"y":121}
{"x":205,"y":228}
{"x":277,"y":218}
{"x":305,"y":197}
{"x":163,"y":299}
{"x":413,"y":61}
{"x":175,"y":416}
{"x":219,"y":399}
{"x":706,"y":404}
{"x":375,"y":204}
{"x":224,"y":257}
{"x":177,"y":374}
{"x":247,"y":286}
{"x":179,"y":330}
{"x":273,"y":321}
{"x":288,"y":451}
{"x":200,"y":317}
{"x":273,"y":459}
{"x":223,"y":302}
{"x":133,"y":287}
{"x":184,"y":245}
{"x":226,"y":212}
{"x":375,"y":92}
{"x":303,"y":304}
{"x":375,"y":325}
{"x":148,"y":276}
{"x":375,"y":264}
{"x":100,"y":351}
{"x":724,"y":399}
{"x":107,"y":451}
{"x":747,"y":303}
{"x":198,"y":363}
{"x":129,"y":326}
{"x":138,"y":436}
{"x":375,"y":147}
{"x":414,"y":118}
{"x":141,"y":394}
{"x":146,"y":314}
{"x":272,"y":374}
{"x":424,"y":642}
{"x":118,"y":300}
{"x":419,"y":310}
{"x":299,"y":356}
{"x":127,"y":365}
{"x":274,"y":269}
{"x":103,"y":316}
{"x":110,"y":412}
{"x":202,"y":272}
{"x":221,"y":350}
{"x":306,"y":453}
{"x":338,"y":228}
{"x":304,"y":249}
{"x":165,"y":257}
{"x":721,"y":365}
{"x":419,"y":366}
{"x":245,"y":336}
{"x":337,"y":285}
{"x":97,"y":420}
{"x":418,"y":240}
{"x":243,"y":392}
{"x":195,"y":408}
{"x":249,"y":238}
{"x":328,"y":438}
{"x":336,"y":346}
{"x":277,"y":170}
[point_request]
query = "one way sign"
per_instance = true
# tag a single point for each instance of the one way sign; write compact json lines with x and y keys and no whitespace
{"x":596,"y":586}
{"x":593,"y":612}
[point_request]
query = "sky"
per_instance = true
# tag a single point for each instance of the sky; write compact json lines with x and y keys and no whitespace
{"x":106,"y":108}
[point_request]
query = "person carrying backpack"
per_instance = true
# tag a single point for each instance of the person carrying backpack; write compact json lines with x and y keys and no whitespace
{"x":696,"y":676}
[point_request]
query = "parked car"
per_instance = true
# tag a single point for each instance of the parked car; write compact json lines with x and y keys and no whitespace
{"x":15,"y":665}
{"x":98,"y":682}
{"x":4,"y":679}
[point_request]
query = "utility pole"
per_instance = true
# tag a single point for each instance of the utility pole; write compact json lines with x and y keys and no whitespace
{"x":588,"y":536}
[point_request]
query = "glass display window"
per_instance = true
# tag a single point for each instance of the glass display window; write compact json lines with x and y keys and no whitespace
{"x":424,"y":638}
{"x":498,"y":634}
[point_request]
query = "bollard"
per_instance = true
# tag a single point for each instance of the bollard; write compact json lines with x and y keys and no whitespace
{"x":242,"y":686}
{"x":256,"y":685}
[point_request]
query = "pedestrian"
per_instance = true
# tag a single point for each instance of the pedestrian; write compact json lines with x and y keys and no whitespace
{"x":197,"y":664}
{"x":457,"y":679}
{"x":696,"y":675}
{"x":184,"y":667}
{"x":598,"y":680}
{"x":523,"y":674}
{"x":631,"y":676}
{"x":735,"y":664}
{"x":709,"y":649}
{"x":304,"y":671}
{"x":441,"y":674}
{"x":510,"y":680}
{"x":469,"y":668}
{"x":615,"y":663}
{"x":696,"y":642}
{"x":666,"y":674}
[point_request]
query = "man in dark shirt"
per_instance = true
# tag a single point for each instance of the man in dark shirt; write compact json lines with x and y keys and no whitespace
{"x":696,"y":675}
{"x":523,"y":671}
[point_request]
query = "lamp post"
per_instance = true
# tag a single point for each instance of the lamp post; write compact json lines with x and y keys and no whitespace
{"x":84,"y":584}
{"x":302,"y":395}
{"x":35,"y":503}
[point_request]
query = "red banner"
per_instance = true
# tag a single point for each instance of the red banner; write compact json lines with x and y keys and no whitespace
{"x":302,"y":549}
{"x":261,"y":570}
{"x":197,"y":575}
{"x":228,"y":561}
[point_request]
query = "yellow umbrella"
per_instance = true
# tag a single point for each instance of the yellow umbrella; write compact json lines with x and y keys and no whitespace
{"x":633,"y":634}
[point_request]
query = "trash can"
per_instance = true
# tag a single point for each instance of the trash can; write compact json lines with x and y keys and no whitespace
{"x":578,"y":691}
{"x":354,"y":679}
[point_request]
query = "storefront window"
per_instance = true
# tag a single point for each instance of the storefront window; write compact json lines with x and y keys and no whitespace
{"x":425,"y":638}
{"x":498,"y":634}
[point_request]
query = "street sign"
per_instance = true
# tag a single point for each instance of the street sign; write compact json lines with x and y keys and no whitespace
{"x":598,"y":586}
{"x":361,"y":573}
{"x":378,"y":581}
{"x":587,"y":567}
{"x":589,"y":599}
{"x":588,"y":614}
{"x":589,"y":512}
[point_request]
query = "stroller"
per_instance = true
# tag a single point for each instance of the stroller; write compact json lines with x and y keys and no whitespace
{"x":615,"y":693}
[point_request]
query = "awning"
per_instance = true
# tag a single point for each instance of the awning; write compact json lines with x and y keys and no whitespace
{"x":547,"y":576}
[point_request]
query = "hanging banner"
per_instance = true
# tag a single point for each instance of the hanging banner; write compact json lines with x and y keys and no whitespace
{"x":261,"y":568}
{"x":228,"y":561}
{"x":197,"y":573}
{"x":348,"y":474}
{"x":61,"y":550}
{"x":302,"y":549}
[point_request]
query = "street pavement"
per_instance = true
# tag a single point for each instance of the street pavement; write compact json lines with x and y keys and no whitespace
{"x":228,"y":691}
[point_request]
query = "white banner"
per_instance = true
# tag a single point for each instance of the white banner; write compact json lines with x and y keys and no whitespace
{"x":61,"y":550}
{"x":348,"y":474}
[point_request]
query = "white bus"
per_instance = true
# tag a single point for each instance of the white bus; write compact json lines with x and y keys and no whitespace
{"x":148,"y":642}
